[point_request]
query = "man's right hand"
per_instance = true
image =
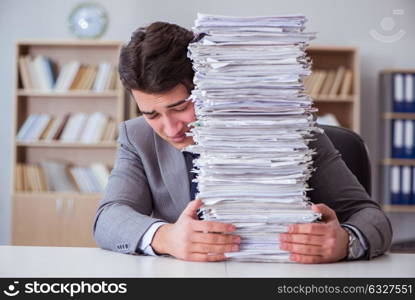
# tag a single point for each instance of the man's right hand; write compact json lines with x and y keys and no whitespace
{"x":195,"y":240}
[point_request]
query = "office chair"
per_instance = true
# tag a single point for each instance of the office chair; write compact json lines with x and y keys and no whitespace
{"x":353,"y":151}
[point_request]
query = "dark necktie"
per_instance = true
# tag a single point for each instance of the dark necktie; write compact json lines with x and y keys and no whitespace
{"x":189,"y":161}
{"x":193,"y":185}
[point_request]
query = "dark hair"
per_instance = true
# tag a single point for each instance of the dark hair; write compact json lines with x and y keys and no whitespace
{"x":155,"y":59}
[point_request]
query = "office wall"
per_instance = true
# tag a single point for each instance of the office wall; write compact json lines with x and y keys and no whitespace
{"x":338,"y":22}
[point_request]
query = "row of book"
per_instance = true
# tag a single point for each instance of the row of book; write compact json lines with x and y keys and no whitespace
{"x":55,"y":176}
{"x":403,"y":92}
{"x":403,"y":135}
{"x":77,"y":127}
{"x":41,"y":73}
{"x":402,"y":185}
{"x":332,"y":83}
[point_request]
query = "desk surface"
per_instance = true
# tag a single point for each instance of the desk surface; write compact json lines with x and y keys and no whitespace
{"x":20,"y":261}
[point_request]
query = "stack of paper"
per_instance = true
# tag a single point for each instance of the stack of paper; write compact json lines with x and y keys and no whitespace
{"x":253,"y":126}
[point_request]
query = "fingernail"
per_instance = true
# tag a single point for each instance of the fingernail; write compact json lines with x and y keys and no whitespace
{"x":231,"y":228}
{"x":237,"y":240}
{"x":282,"y":237}
{"x":282,"y":246}
{"x":235,"y":248}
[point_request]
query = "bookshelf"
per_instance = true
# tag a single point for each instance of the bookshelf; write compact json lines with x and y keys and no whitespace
{"x":399,"y":158}
{"x":342,"y":99}
{"x":63,"y":218}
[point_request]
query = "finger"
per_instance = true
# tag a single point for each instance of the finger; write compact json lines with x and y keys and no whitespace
{"x":210,"y":226}
{"x":206,"y":257}
{"x":211,"y":248}
{"x":214,"y":238}
{"x":309,"y":228}
{"x":192,"y":207}
{"x":306,"y":239}
{"x":327,"y":213}
{"x":302,"y":249}
{"x":306,"y":259}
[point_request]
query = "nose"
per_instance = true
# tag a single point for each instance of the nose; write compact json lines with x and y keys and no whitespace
{"x":172,"y":126}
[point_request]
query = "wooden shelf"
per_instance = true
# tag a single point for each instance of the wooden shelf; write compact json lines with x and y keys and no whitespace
{"x":61,"y":218}
{"x":389,"y":165}
{"x":336,"y":99}
{"x":398,"y":208}
{"x":327,"y":59}
{"x":66,"y":145}
{"x":398,"y":162}
{"x":390,"y":116}
{"x":68,"y":43}
{"x":31,"y":195}
{"x":388,"y":71}
{"x":69,"y":94}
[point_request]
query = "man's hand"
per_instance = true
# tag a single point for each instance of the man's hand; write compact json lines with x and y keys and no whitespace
{"x":195,"y":240}
{"x":316,"y":242}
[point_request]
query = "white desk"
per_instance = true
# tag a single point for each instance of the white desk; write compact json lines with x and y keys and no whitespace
{"x":19,"y":261}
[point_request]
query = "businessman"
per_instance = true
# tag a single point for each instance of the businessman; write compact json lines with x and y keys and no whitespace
{"x":149,"y":204}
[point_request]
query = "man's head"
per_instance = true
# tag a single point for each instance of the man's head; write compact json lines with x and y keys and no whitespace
{"x":154,"y":66}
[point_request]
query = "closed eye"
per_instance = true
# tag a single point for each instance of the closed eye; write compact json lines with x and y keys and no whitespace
{"x":152,"y":116}
{"x":181,"y":108}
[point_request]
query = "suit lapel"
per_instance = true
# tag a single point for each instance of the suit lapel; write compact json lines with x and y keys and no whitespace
{"x":173,"y":171}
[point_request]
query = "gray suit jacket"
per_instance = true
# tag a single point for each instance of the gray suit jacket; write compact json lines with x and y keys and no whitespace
{"x":150,"y":183}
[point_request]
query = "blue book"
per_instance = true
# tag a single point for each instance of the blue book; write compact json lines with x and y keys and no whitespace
{"x":409,"y":103}
{"x":395,"y":184}
{"x":409,"y":139}
{"x":406,"y":186}
{"x":398,"y":93}
{"x":413,"y":187}
{"x":409,"y":100}
{"x":398,"y":150}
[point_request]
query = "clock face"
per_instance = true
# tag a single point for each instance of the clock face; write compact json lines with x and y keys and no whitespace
{"x":88,"y":20}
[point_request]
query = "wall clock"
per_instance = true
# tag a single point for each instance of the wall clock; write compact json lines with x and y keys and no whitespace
{"x":88,"y":20}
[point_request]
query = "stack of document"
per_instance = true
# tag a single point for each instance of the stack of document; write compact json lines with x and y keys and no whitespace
{"x":253,"y":127}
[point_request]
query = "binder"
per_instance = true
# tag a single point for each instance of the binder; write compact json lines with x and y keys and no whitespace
{"x":398,"y":139}
{"x":398,"y":93}
{"x":406,"y":186}
{"x":409,"y":103}
{"x":413,"y":187}
{"x":395,"y":180}
{"x":409,"y":139}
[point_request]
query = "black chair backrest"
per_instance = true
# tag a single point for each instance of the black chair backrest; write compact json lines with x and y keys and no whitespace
{"x":353,"y":151}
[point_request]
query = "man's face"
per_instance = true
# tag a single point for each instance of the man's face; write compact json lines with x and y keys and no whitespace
{"x":168,"y":114}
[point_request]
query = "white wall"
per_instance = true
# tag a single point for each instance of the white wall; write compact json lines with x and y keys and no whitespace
{"x":338,"y":22}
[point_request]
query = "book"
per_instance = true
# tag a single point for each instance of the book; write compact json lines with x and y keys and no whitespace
{"x":73,"y":128}
{"x":103,"y":73}
{"x":36,"y":130}
{"x":24,"y":72}
{"x":101,"y":173}
{"x":325,"y":89}
{"x":334,"y":90}
{"x":318,"y":83}
{"x":346,"y":86}
{"x":57,"y":177}
{"x":94,"y":128}
{"x":25,"y":128}
{"x":67,"y":76}
{"x":77,"y":80}
{"x":19,"y":183}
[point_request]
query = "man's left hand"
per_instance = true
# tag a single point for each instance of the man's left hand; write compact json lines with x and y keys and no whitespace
{"x":315,"y":243}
